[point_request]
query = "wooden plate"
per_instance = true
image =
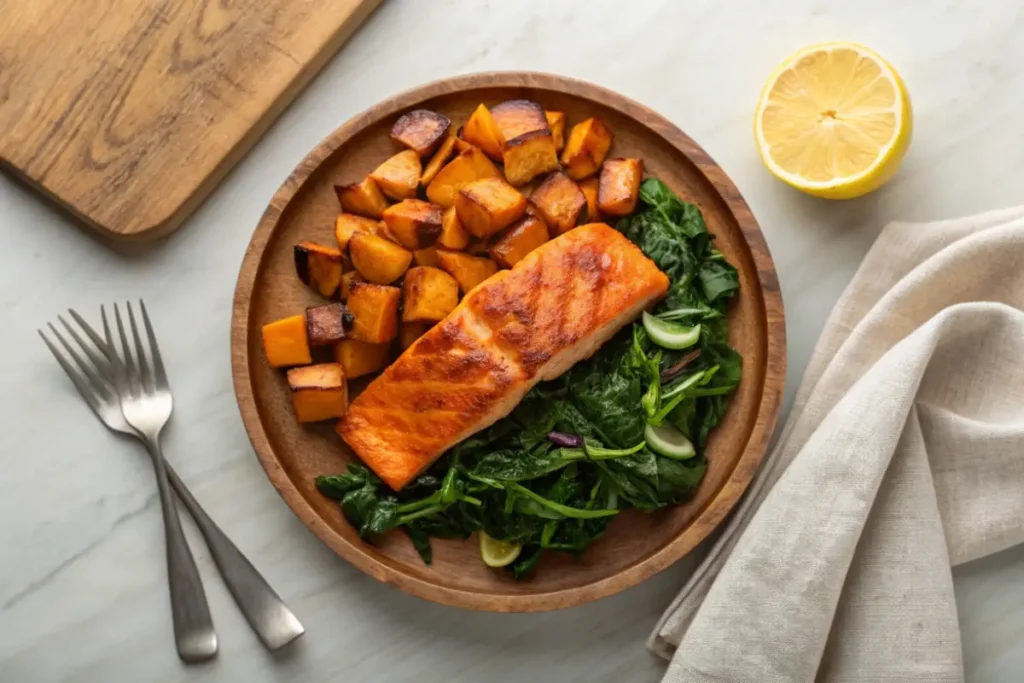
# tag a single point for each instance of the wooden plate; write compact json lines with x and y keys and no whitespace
{"x":636,"y":545}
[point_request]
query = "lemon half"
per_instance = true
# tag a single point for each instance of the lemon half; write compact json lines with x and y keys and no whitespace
{"x":834,"y":120}
{"x":497,"y":553}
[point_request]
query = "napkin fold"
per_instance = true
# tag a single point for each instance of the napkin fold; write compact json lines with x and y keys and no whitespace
{"x":903,"y":456}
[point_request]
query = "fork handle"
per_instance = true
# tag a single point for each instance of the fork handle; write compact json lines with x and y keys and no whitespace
{"x":266,"y":613}
{"x":193,"y":627}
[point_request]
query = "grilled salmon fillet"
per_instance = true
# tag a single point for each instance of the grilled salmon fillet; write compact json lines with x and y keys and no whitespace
{"x":521,"y":326}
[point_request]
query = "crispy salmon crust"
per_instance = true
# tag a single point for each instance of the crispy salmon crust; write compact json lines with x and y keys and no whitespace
{"x":519,"y":327}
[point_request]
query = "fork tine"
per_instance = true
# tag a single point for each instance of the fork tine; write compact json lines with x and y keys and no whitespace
{"x":99,"y":342}
{"x":108,"y":339}
{"x":106,"y":330}
{"x":145,"y":378}
{"x":96,"y":380}
{"x":98,"y":359}
{"x":129,"y":378}
{"x":158,"y":364}
{"x":116,"y":366}
{"x":84,"y":388}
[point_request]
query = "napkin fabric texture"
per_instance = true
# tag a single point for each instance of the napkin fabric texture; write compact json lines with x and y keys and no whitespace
{"x":903,"y":456}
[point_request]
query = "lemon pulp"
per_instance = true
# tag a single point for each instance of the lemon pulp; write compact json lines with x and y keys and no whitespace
{"x":834,"y":120}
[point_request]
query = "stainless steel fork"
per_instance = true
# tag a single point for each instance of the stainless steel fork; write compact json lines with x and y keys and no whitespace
{"x":147,"y":408}
{"x":141,"y":395}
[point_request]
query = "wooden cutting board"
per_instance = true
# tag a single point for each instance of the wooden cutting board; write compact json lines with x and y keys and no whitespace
{"x":127,"y":113}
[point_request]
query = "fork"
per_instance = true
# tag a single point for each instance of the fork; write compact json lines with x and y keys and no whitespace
{"x":133,"y":397}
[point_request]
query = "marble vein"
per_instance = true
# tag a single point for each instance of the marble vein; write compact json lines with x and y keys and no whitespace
{"x":43,"y":580}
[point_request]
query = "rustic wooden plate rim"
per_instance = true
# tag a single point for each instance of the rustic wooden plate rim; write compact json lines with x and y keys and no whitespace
{"x":382,"y":568}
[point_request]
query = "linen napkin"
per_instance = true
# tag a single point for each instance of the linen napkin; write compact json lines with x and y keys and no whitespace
{"x":903,"y":456}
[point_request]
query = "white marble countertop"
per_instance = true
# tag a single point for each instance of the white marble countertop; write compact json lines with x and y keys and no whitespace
{"x":82,"y":581}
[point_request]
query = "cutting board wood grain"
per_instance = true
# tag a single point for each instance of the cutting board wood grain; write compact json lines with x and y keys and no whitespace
{"x":128,"y":113}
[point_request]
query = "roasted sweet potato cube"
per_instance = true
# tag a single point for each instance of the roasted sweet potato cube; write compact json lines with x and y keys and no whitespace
{"x":468,"y":271}
{"x":347,"y":280}
{"x":421,"y":130}
{"x":374,"y":310}
{"x":319,"y":376}
{"x":488,"y":206}
{"x":285,"y":342}
{"x":529,"y":156}
{"x":348,"y":224}
{"x":319,"y":392}
{"x":319,"y":267}
{"x":317,"y":405}
{"x":529,"y":148}
{"x":428,"y":295}
{"x":619,"y":186}
{"x":480,"y":130}
{"x":514,"y":118}
{"x":586,"y":148}
{"x":380,"y":261}
{"x":361,"y":358}
{"x":426,"y":257}
{"x":453,"y":233}
{"x":465,"y":168}
{"x":410,"y":332}
{"x":560,"y":201}
{"x":526,"y":235}
{"x":399,"y":176}
{"x":441,"y":157}
{"x":414,"y":222}
{"x":325,"y":324}
{"x":461,"y":146}
{"x":556,"y":122}
{"x":363,"y":198}
{"x":589,"y":188}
